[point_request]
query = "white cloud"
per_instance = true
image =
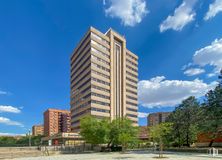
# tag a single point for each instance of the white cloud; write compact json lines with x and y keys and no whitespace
{"x":183,"y":15}
{"x":131,"y":12}
{"x":194,"y":71}
{"x":159,"y":92}
{"x":186,"y":66}
{"x":7,"y":121}
{"x":142,"y":115}
{"x":210,"y":55}
{"x":3,"y":92}
{"x":9,"y":109}
{"x":211,"y":75}
{"x":11,"y":134}
{"x":214,"y":9}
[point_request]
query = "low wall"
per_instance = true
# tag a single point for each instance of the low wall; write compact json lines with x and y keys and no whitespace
{"x":206,"y":144}
{"x":18,"y":148}
{"x":192,"y":150}
{"x":70,"y":149}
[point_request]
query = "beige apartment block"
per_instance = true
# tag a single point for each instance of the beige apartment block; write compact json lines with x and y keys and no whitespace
{"x":157,"y":118}
{"x":37,"y":130}
{"x":104,"y":76}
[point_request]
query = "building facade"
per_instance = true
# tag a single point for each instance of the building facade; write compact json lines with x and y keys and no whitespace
{"x":103,"y":78}
{"x":157,"y":118}
{"x":56,"y":121}
{"x":38,"y":130}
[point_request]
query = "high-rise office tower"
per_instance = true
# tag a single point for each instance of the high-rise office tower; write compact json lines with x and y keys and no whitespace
{"x":103,"y":78}
{"x":56,"y":121}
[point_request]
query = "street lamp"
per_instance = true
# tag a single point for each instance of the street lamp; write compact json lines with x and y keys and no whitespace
{"x":30,"y":138}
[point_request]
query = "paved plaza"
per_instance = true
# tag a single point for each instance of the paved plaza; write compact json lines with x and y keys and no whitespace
{"x":125,"y":156}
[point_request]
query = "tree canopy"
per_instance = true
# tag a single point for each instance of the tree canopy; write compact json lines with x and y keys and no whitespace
{"x":184,"y":119}
{"x":160,"y":134}
{"x":211,"y":121}
{"x":100,"y":131}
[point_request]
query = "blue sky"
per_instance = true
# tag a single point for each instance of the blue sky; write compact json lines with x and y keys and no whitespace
{"x":179,"y":44}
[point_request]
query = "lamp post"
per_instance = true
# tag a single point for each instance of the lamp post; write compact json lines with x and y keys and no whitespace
{"x":30,"y":138}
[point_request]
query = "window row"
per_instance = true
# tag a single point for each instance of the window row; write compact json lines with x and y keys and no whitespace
{"x":81,"y":113}
{"x":129,"y":55}
{"x":101,"y":74}
{"x":132,"y":92}
{"x":100,"y":95}
{"x":131,"y":115}
{"x":81,"y":93}
{"x":131,"y":68}
{"x":130,"y":97}
{"x":80,"y":58}
{"x":100,"y":110}
{"x":74,"y":76}
{"x":82,"y":64}
{"x":82,"y":85}
{"x":101,"y":88}
{"x":99,"y":38}
{"x":81,"y":106}
{"x":80,"y":46}
{"x":87,"y":96}
{"x":100,"y":81}
{"x":99,"y":52}
{"x":131,"y":74}
{"x":129,"y":85}
{"x":80,"y":80}
{"x":79,"y":87}
{"x":100,"y":59}
{"x":131,"y":109}
{"x":101,"y":103}
{"x":132,"y":104}
{"x":131,"y":80}
{"x":130,"y":62}
{"x":100,"y":67}
{"x":99,"y":45}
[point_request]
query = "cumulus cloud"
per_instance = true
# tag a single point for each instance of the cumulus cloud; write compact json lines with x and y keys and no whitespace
{"x":7,"y":121}
{"x":130,"y":12}
{"x":9,"y":109}
{"x":210,"y":55}
{"x":214,"y":9}
{"x":142,"y":114}
{"x":183,"y":15}
{"x":194,"y":71}
{"x":159,"y":92}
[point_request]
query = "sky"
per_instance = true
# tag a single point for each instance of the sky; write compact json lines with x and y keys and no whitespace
{"x":179,"y":44}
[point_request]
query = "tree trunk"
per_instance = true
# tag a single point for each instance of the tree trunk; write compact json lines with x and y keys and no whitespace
{"x":211,"y":143}
{"x":108,"y":145}
{"x":161,"y":151}
{"x":187,"y":140}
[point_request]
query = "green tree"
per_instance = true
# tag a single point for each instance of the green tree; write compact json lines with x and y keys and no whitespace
{"x":20,"y":141}
{"x":7,"y":141}
{"x":94,"y":131}
{"x":160,"y":134}
{"x":118,"y":132}
{"x":211,"y":122}
{"x":122,"y":132}
{"x":184,"y":119}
